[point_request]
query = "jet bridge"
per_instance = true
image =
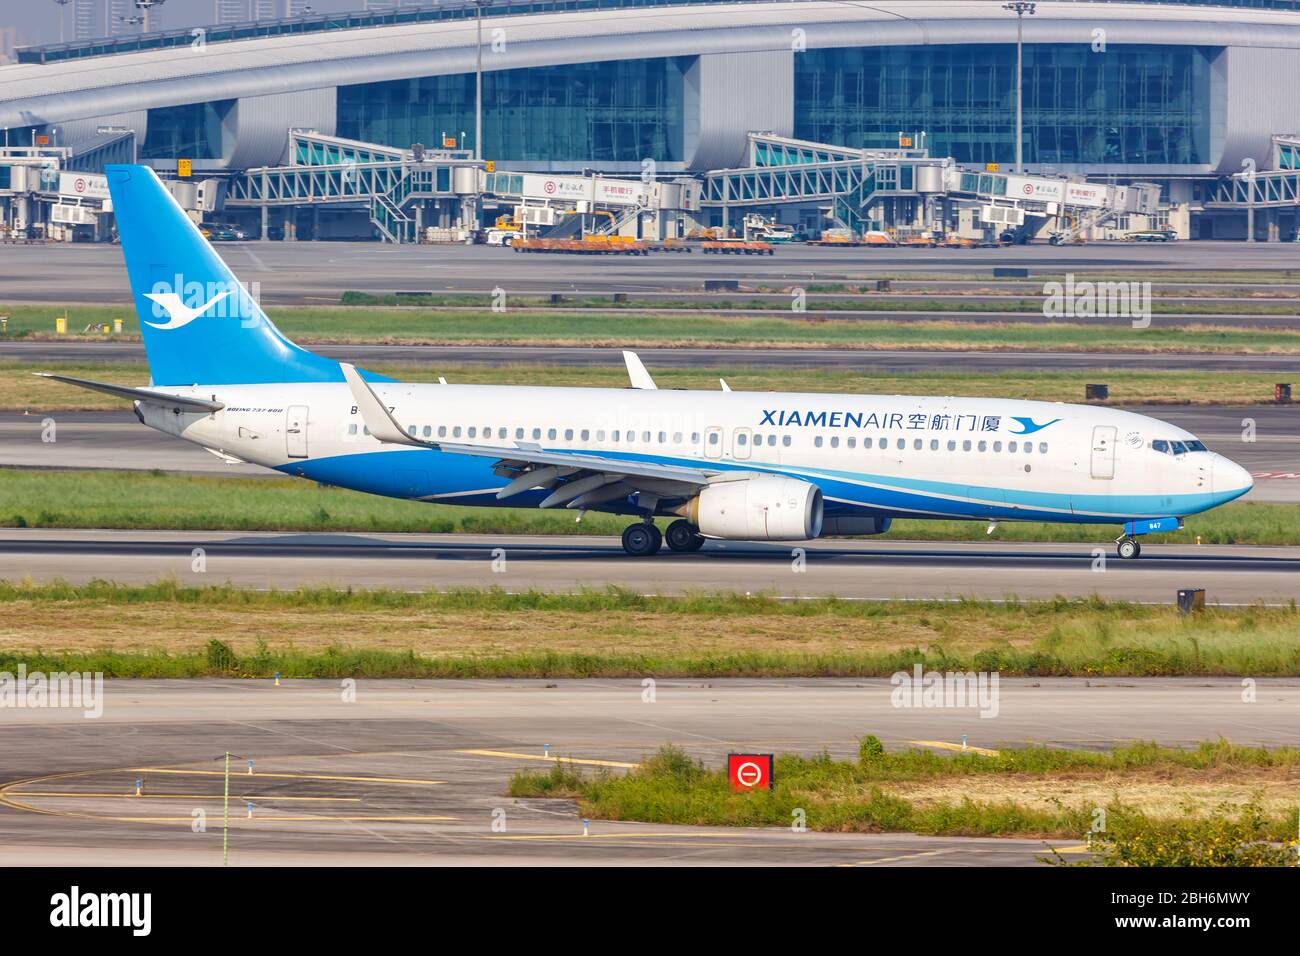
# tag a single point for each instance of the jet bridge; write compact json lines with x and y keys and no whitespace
{"x":862,"y":189}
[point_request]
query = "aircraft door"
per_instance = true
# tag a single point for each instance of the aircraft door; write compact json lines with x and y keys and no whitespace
{"x":1103,"y":451}
{"x":713,"y":442}
{"x":295,"y":431}
{"x":741,"y":439}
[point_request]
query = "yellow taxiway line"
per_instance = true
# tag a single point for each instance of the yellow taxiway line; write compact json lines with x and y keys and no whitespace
{"x":176,"y":796}
{"x":285,"y":776}
{"x":586,"y":762}
{"x":944,"y":745}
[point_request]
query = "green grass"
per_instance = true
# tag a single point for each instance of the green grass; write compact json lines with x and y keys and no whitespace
{"x":836,"y":795}
{"x":160,"y":501}
{"x":609,"y":327}
{"x":470,"y":633}
{"x":20,"y":389}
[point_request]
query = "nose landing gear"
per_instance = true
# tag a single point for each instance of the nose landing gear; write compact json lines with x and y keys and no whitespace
{"x":1128,"y":547}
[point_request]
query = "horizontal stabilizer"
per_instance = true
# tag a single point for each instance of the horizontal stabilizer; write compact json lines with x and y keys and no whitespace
{"x":138,"y":394}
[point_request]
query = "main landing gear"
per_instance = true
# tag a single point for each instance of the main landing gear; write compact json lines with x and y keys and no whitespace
{"x":1128,"y":547}
{"x":644,"y":539}
{"x":683,"y":536}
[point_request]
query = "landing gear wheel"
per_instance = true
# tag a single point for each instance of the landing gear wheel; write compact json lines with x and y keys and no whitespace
{"x":682,"y":536}
{"x":1128,"y":548}
{"x":642,"y":540}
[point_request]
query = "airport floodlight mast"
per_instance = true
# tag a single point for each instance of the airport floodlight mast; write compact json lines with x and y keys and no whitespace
{"x":478,"y":79}
{"x":1019,"y":8}
{"x":62,"y":4}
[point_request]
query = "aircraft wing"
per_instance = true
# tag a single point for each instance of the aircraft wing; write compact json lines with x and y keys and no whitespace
{"x":575,"y":479}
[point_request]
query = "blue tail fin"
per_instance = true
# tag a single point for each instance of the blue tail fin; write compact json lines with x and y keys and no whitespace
{"x":200,"y":325}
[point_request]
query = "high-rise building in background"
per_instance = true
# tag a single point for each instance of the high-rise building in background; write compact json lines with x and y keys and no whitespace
{"x":241,"y":11}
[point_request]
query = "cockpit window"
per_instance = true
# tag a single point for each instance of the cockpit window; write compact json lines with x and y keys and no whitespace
{"x":1171,"y":447}
{"x":1178,"y":448}
{"x":1196,"y":446}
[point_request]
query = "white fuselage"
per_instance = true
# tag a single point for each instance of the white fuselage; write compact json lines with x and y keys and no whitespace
{"x":870,"y":454}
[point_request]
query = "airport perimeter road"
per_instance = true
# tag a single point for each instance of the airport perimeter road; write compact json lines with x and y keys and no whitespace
{"x":415,"y":771}
{"x":866,"y":360}
{"x":850,"y":569}
{"x":320,"y":272}
{"x":117,"y":440}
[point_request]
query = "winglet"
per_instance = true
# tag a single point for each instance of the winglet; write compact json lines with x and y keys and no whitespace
{"x":379,"y":420}
{"x":723,"y":383}
{"x":637,"y":373}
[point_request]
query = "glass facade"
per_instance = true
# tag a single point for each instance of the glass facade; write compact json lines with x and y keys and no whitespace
{"x":615,"y":111}
{"x":192,"y":131}
{"x":1147,"y":105}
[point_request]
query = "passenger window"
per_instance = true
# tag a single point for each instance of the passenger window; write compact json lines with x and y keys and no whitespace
{"x":568,"y":434}
{"x":471,"y":431}
{"x":455,"y":432}
{"x":934,"y":444}
{"x":663,"y":438}
{"x":352,"y":429}
{"x":614,"y":436}
{"x":519,"y":433}
{"x":965,"y":446}
{"x":713,"y":438}
{"x":677,"y":438}
{"x":366,"y":430}
{"x":952,"y":445}
{"x":997,"y":446}
{"x":835,"y":441}
{"x":501,"y":432}
{"x":916,"y":444}
{"x":785,"y":441}
{"x":1012,"y":446}
{"x":586,"y":434}
{"x":410,"y":430}
{"x":428,"y":431}
{"x":851,"y":442}
{"x":818,"y":441}
{"x":550,"y":434}
{"x":1042,"y":448}
{"x":600,"y":435}
{"x":741,"y":439}
{"x":984,"y":446}
{"x":695,"y":438}
{"x":537,"y":433}
{"x":901,"y":444}
{"x":442,"y":431}
{"x":866,"y":443}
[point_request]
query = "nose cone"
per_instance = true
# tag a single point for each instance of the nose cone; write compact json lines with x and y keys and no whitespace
{"x":1230,"y":480}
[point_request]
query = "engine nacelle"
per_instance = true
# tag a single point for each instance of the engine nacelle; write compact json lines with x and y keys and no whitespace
{"x":761,"y":508}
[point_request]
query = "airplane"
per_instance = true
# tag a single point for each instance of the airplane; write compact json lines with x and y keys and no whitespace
{"x":724,"y":465}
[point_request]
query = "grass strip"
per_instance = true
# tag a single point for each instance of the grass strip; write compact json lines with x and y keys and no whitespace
{"x":156,"y":500}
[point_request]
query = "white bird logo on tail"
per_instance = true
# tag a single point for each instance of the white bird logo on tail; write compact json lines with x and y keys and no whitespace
{"x":178,"y":313}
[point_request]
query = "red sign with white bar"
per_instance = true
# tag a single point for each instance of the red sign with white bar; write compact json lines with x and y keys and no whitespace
{"x":750,"y":771}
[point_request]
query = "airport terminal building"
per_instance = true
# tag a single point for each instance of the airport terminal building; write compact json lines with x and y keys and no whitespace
{"x":1189,"y":95}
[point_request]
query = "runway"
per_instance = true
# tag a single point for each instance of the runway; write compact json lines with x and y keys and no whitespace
{"x":48,"y":353}
{"x":115,"y":440}
{"x":291,"y":272}
{"x":414,"y":772}
{"x":859,"y":569}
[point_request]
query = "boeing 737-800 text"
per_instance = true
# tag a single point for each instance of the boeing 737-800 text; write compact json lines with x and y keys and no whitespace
{"x":730,"y":465}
